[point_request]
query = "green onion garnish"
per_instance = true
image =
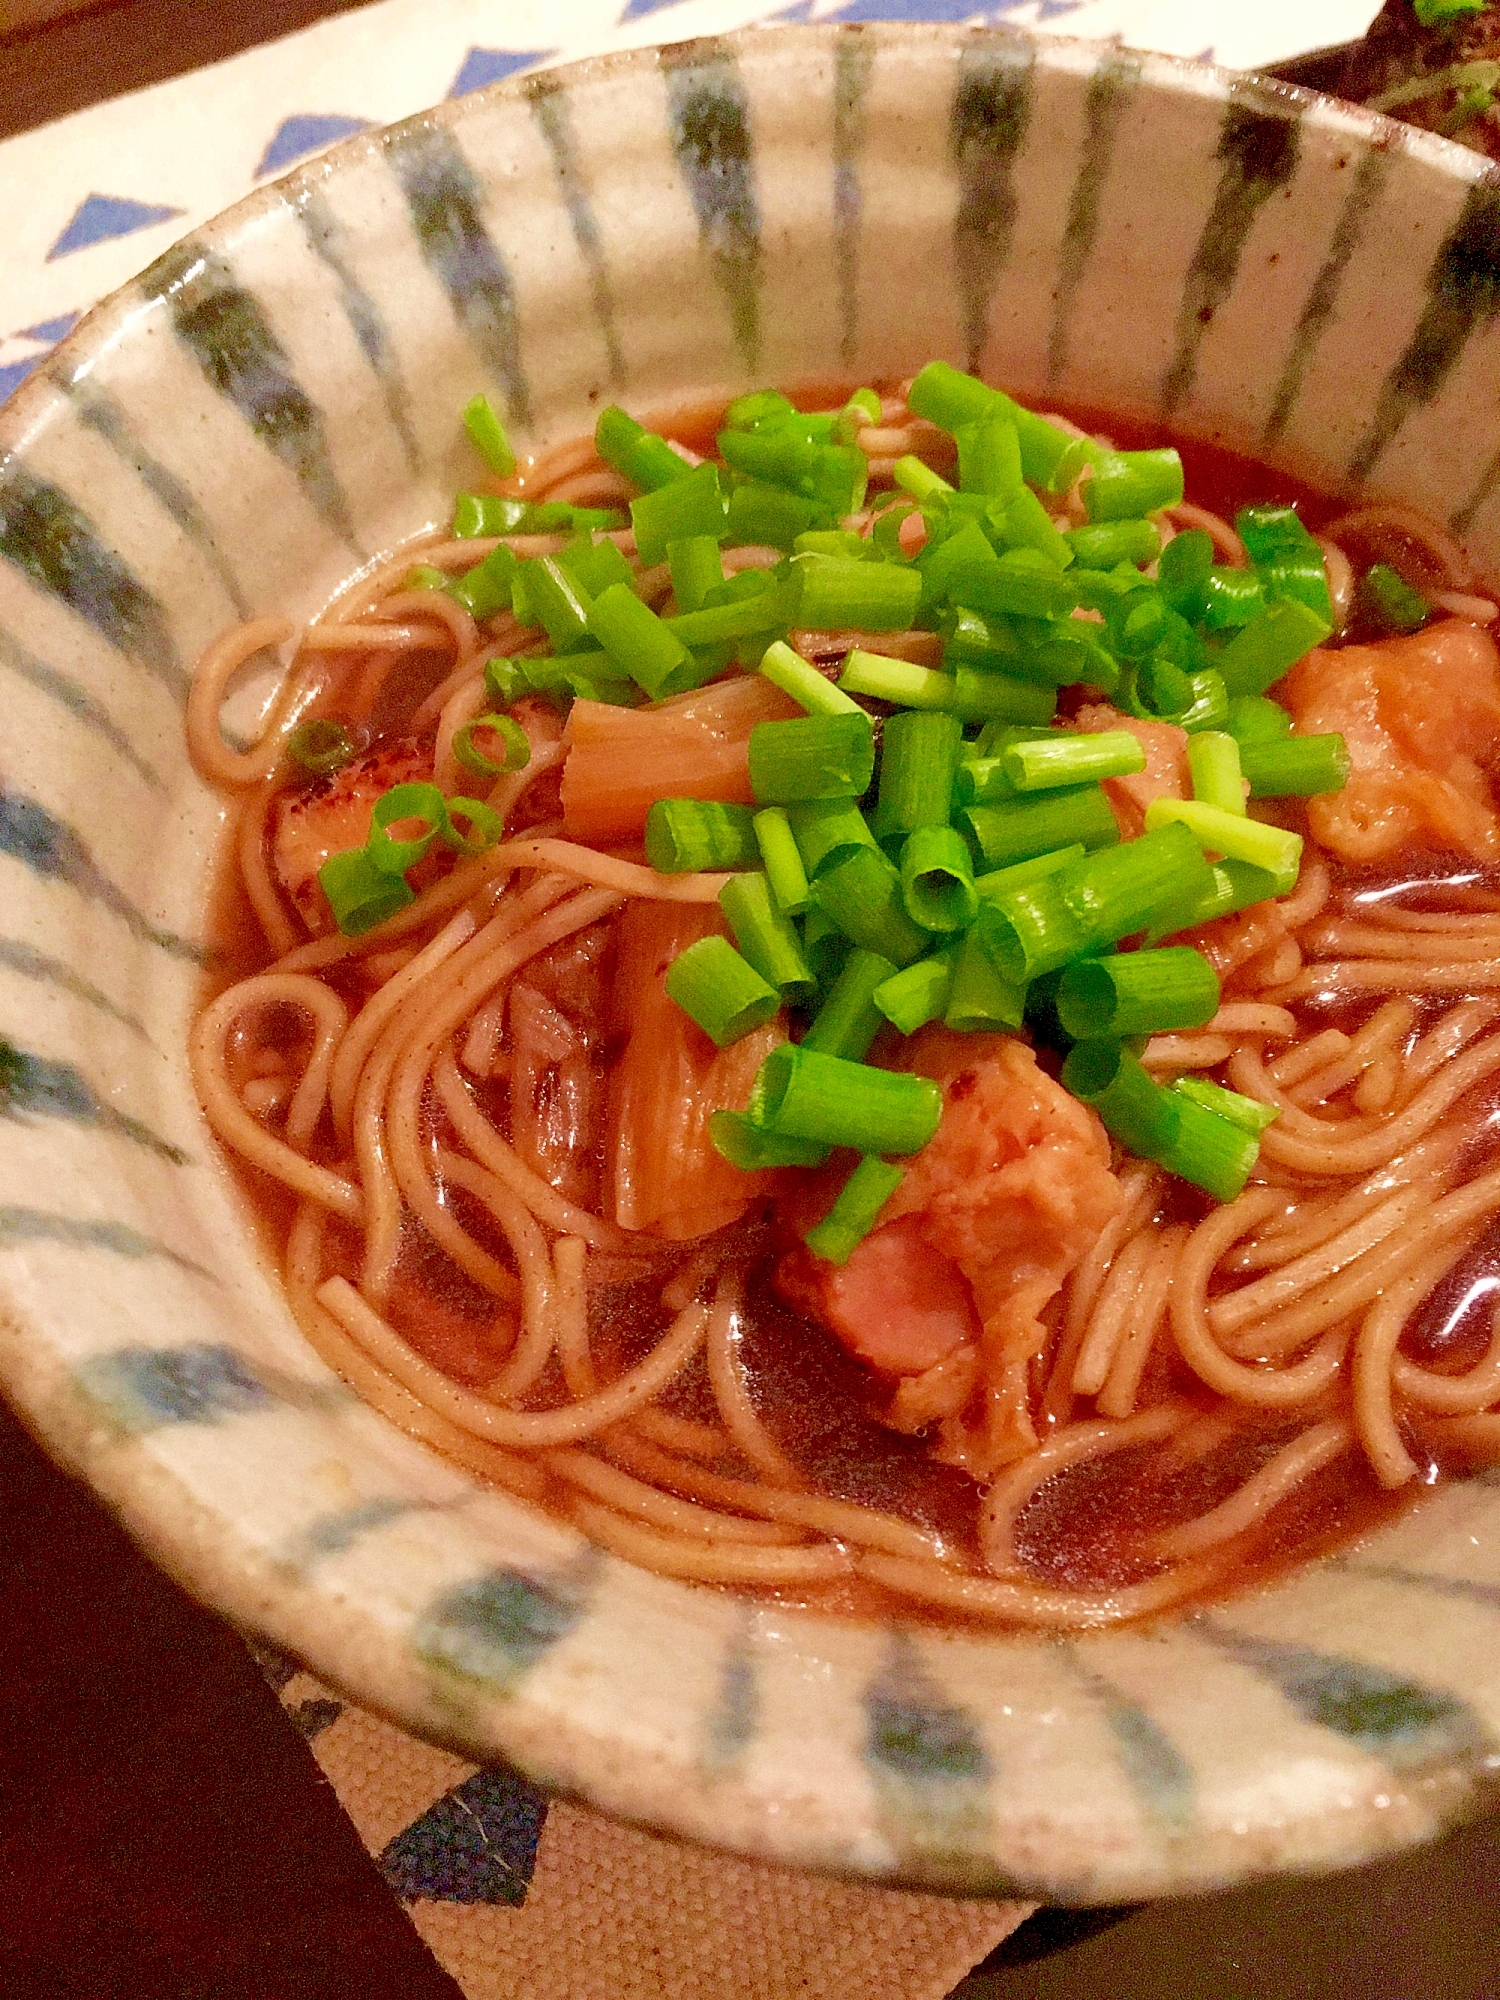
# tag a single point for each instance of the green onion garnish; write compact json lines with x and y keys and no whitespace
{"x":919,"y":755}
{"x":515,"y":746}
{"x":1137,"y":993}
{"x":825,"y":830}
{"x":937,"y":882}
{"x":802,"y":1094}
{"x":1254,"y":718}
{"x":639,"y":642}
{"x":1232,"y":598}
{"x":814,"y":757}
{"x":984,"y":697}
{"x":1213,"y":1152}
{"x":1127,"y":484}
{"x":746,"y":1146}
{"x":359,"y":894}
{"x":1117,"y":890}
{"x":557,"y":601}
{"x":856,"y":1210}
{"x":1214,"y":762}
{"x":1261,"y":652}
{"x":1287,"y":556}
{"x":1297,"y":766}
{"x":1111,"y":542}
{"x":848,"y":1020}
{"x":862,"y":409}
{"x":685,"y":508}
{"x":862,"y":894}
{"x":1234,"y":835}
{"x":980,"y":999}
{"x":911,"y":998}
{"x":645,"y":459}
{"x":484,"y":824}
{"x":1247,"y":1112}
{"x":781,"y":860}
{"x":1045,"y":764}
{"x":999,"y":880}
{"x":684,"y":835}
{"x":488,"y":588}
{"x":947,"y":397}
{"x":1015,"y":831}
{"x":797,"y":677}
{"x":721,"y":991}
{"x":1389,"y":601}
{"x":424,"y":803}
{"x":425,"y":576}
{"x":768,"y":515}
{"x":765,"y":936}
{"x":697,"y":565}
{"x":321,"y":746}
{"x":488,"y":434}
{"x":886,"y":679}
{"x":1136,"y":1110}
{"x":919,"y":480}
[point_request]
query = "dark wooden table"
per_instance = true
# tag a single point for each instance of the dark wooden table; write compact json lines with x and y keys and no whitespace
{"x":164,"y":1832}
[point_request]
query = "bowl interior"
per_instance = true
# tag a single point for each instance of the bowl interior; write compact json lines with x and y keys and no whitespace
{"x":272,"y":406}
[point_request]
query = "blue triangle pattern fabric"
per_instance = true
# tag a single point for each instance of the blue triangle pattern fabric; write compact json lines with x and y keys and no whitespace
{"x":100,"y":218}
{"x":477,"y":1844}
{"x":14,"y":373}
{"x":304,"y":133}
{"x":51,"y":330}
{"x":482,"y":66}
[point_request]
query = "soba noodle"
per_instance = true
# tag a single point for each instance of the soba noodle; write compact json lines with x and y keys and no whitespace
{"x":429,"y":1102}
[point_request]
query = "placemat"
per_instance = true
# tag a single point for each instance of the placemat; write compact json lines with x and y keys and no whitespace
{"x":520,"y":1900}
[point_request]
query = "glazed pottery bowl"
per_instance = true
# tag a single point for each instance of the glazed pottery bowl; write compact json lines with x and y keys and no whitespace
{"x":270,"y":407}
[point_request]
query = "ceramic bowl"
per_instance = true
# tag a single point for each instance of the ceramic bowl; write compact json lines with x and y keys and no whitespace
{"x":273,"y":404}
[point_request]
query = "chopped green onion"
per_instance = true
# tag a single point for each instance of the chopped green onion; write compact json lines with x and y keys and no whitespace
{"x":403,"y":802}
{"x":1233,"y":835}
{"x":862,"y":409}
{"x":760,"y":406}
{"x":989,"y":456}
{"x":594,"y":566}
{"x":917,"y":995}
{"x":919,"y":755}
{"x":1137,"y":1111}
{"x":937,"y":883}
{"x":776,"y":453}
{"x":697,"y":564}
{"x":359,"y":894}
{"x":487,"y":588}
{"x":1260,"y":653}
{"x":1297,"y":766}
{"x":1209,"y":707}
{"x":799,"y":678}
{"x":862,"y":894}
{"x":321,"y":746}
{"x":856,"y":1210}
{"x":1247,"y":1112}
{"x":644,"y":645}
{"x":984,"y":697}
{"x":719,"y":990}
{"x":837,"y":542}
{"x":1213,"y":1152}
{"x":783,"y":864}
{"x":1255,"y":718}
{"x":515,"y":747}
{"x":765,"y":935}
{"x":1112,"y":542}
{"x":1117,"y":891}
{"x":802,"y":1094}
{"x":685,"y":835}
{"x":1231,"y":886}
{"x":1214,"y":762}
{"x":1016,"y":831}
{"x":484,"y":823}
{"x":488,"y":434}
{"x":1287,"y":556}
{"x":918,"y":479}
{"x":505,"y":681}
{"x":1020,"y":584}
{"x":559,"y":603}
{"x":1389,"y":601}
{"x":425,"y":576}
{"x":825,"y":948}
{"x":825,"y":830}
{"x":989,"y":886}
{"x":1137,"y":993}
{"x":1044,"y":764}
{"x":980,"y":1000}
{"x":848,"y":1020}
{"x":762,"y":608}
{"x":1231,"y":598}
{"x":885,"y":679}
{"x":839,"y":595}
{"x":1023,"y":523}
{"x":746,"y":1146}
{"x":493,"y":514}
{"x":767,"y":515}
{"x":1029,"y":930}
{"x":1183,"y":571}
{"x":679,"y":511}
{"x":1127,"y":484}
{"x":645,"y":459}
{"x":947,"y":397}
{"x":983,"y":781}
{"x":814,"y":757}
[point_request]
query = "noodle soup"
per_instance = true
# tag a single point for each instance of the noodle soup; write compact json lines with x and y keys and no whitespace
{"x":1086,"y":1348}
